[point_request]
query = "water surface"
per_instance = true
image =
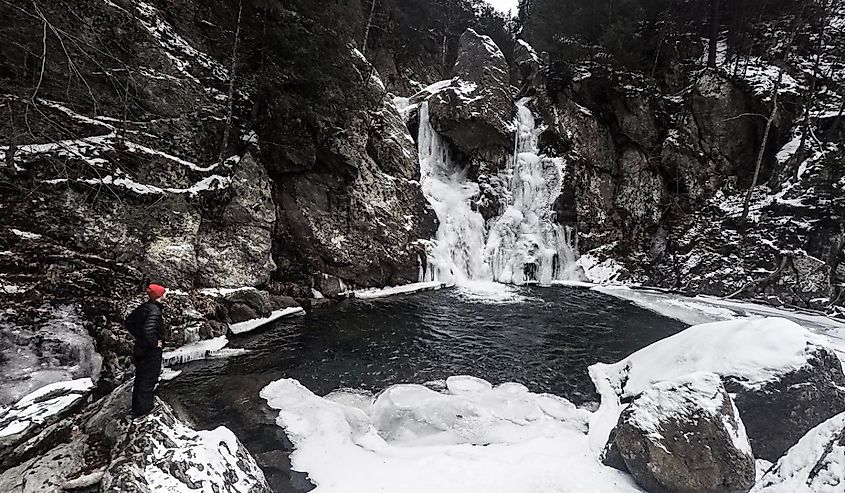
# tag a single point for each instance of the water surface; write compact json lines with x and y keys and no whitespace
{"x":545,"y":341}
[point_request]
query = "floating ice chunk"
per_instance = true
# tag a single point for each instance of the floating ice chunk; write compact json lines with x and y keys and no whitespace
{"x":26,"y":235}
{"x":168,"y":374}
{"x":413,"y":287}
{"x":465,"y":384}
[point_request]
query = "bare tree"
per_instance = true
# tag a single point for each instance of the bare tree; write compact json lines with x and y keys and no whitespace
{"x":232,"y":74}
{"x":775,"y":90}
{"x":714,"y":33}
{"x":747,"y":203}
{"x":369,"y":25}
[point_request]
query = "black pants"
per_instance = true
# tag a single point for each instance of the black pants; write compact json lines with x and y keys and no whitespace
{"x":147,"y":370}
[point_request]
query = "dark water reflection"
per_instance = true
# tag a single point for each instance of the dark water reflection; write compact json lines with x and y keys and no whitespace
{"x":545,"y":342}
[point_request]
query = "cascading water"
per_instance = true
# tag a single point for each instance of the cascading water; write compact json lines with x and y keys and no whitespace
{"x":455,"y":255}
{"x":522,"y":244}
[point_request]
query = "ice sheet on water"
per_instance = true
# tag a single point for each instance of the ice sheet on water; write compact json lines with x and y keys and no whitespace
{"x":194,"y":351}
{"x":472,"y":436}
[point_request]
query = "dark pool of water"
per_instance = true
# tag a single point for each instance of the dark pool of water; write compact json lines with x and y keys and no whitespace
{"x":545,"y":342}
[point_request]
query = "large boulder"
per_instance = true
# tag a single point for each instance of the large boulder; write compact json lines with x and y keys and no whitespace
{"x":778,"y":412}
{"x":815,"y":464}
{"x":476,"y":110}
{"x":685,"y":435}
{"x":102,"y":449}
{"x":785,"y":379}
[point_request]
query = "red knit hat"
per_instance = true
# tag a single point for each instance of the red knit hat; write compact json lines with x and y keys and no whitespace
{"x":156,"y":291}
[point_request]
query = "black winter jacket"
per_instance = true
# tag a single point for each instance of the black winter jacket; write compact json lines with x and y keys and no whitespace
{"x":147,"y":325}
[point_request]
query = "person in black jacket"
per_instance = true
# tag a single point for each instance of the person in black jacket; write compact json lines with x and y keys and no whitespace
{"x":146,"y":324}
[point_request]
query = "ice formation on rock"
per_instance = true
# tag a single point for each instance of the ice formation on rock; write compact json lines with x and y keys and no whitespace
{"x":523,"y":243}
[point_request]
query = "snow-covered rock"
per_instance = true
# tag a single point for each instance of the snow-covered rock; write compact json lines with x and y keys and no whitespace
{"x":785,"y":379}
{"x":816,"y":464}
{"x":52,"y":345}
{"x":38,"y":410}
{"x":101,"y":448}
{"x":685,"y":435}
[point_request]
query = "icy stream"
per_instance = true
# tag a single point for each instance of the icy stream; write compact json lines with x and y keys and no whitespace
{"x":523,"y":243}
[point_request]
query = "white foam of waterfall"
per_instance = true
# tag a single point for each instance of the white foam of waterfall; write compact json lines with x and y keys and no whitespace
{"x":455,"y":254}
{"x":523,"y":244}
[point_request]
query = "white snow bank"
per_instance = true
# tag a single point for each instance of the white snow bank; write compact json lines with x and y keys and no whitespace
{"x":792,"y":473}
{"x":194,"y":351}
{"x":683,"y":397}
{"x":702,"y":309}
{"x":394,"y":290}
{"x":248,"y":325}
{"x":212,"y":457}
{"x":38,"y":407}
{"x":472,"y":437}
{"x":755,"y":350}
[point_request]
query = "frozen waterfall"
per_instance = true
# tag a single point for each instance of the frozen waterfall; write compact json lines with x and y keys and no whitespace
{"x":456,"y":252}
{"x":523,"y":243}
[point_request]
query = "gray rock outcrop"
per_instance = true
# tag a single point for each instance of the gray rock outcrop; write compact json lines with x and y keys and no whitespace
{"x":685,"y":436}
{"x":779,"y":412}
{"x":476,"y":111}
{"x":103,"y":449}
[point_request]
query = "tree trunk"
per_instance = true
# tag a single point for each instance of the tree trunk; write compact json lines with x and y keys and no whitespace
{"x":746,"y":204}
{"x":714,"y":33}
{"x":231,"y":101}
{"x":369,"y":24}
{"x":838,"y":117}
